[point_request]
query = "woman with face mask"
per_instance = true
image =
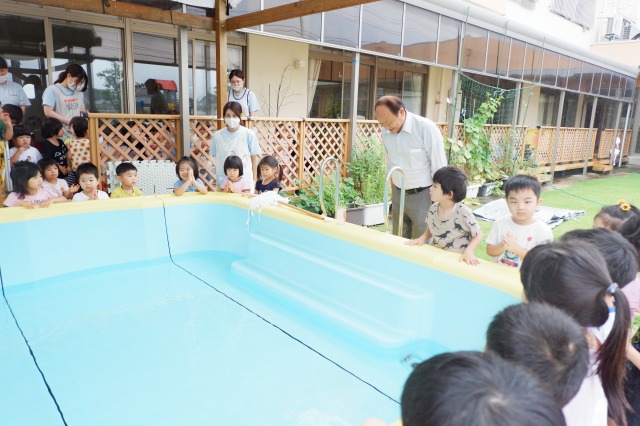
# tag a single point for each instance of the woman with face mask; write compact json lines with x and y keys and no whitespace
{"x":11,"y":93}
{"x":65,"y":98}
{"x":235,"y":139}
{"x":238,"y":93}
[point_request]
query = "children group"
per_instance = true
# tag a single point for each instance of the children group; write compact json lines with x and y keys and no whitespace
{"x":567,"y":356}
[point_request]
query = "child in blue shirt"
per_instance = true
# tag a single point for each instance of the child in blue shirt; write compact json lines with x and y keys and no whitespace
{"x":186,"y":170}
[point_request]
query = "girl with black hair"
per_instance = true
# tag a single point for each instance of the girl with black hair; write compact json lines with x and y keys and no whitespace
{"x":573,"y":276}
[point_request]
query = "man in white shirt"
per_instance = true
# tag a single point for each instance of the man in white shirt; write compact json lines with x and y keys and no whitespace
{"x":415,"y":144}
{"x":11,"y":93}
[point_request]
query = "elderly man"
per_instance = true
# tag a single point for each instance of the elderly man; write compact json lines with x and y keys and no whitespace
{"x":415,"y":144}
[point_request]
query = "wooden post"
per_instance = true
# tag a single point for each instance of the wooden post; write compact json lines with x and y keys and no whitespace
{"x":615,"y":136}
{"x":183,"y":79}
{"x":556,"y":139}
{"x":589,"y":136}
{"x":221,"y":56}
{"x":93,"y":143}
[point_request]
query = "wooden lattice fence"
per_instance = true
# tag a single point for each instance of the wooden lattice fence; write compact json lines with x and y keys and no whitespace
{"x":300,"y":145}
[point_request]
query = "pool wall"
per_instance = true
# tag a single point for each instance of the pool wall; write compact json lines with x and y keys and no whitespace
{"x":360,"y":298}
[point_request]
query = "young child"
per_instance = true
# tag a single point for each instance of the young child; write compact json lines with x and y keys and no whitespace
{"x":53,"y":146}
{"x":269,"y":175}
{"x":513,"y":235}
{"x":128,"y":177}
{"x":451,"y":223}
{"x":88,"y":179}
{"x":79,"y":147}
{"x":235,"y":181}
{"x":22,"y":149}
{"x":49,"y":169}
{"x":472,"y":388}
{"x":545,"y":340}
{"x":27,"y":188}
{"x":620,"y":256}
{"x":186,"y":170}
{"x":613,"y":217}
{"x":573,"y":276}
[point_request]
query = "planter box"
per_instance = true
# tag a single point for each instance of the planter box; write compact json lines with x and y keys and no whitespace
{"x":368,"y":215}
{"x":355,"y":215}
{"x":487,"y":189}
{"x":472,"y":190}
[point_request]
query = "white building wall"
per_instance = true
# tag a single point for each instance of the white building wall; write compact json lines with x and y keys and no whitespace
{"x":540,"y":18}
{"x":267,"y":59}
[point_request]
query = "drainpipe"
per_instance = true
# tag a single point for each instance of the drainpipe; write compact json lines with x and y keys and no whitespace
{"x":624,"y":135}
{"x":353,"y":116}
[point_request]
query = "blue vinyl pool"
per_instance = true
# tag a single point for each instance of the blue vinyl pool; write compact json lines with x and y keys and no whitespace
{"x":173,"y":311}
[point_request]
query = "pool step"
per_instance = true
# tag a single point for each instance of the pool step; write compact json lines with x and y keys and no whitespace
{"x":376,"y":307}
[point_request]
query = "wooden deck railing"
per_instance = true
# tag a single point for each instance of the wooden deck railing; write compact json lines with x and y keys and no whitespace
{"x":300,"y":145}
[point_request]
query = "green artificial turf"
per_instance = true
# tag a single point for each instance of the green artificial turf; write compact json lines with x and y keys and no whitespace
{"x":589,"y":196}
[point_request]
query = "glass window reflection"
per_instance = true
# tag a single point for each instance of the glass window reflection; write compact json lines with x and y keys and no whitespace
{"x":382,"y":26}
{"x":448,"y":41}
{"x":99,"y":51}
{"x":497,"y":54}
{"x":420,"y":34}
{"x":21,"y":46}
{"x":342,"y":26}
{"x":474,"y":48}
{"x":306,"y":27}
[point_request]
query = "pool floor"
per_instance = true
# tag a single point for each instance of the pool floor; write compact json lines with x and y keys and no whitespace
{"x":151,"y":344}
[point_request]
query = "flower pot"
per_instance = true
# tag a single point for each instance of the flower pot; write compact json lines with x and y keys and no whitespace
{"x":487,"y":189}
{"x":472,"y":190}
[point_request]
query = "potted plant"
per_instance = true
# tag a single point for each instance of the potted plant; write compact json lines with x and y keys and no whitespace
{"x":368,"y":172}
{"x":309,"y":198}
{"x":472,"y":154}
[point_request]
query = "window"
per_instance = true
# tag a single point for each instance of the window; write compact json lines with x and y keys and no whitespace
{"x":342,"y":26}
{"x":325,"y":88}
{"x":306,"y":27}
{"x":549,"y":68}
{"x":206,"y":71}
{"x":412,"y":92}
{"x":420,"y":34}
{"x":155,"y":58}
{"x":516,"y":58}
{"x":364,"y":83}
{"x":474,"y":52}
{"x":382,"y":26}
{"x":21,"y":42}
{"x":448,"y":41}
{"x":548,"y":107}
{"x":99,"y":51}
{"x":626,"y":29}
{"x":498,"y":54}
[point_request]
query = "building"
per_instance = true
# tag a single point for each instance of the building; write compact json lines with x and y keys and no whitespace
{"x":304,"y":67}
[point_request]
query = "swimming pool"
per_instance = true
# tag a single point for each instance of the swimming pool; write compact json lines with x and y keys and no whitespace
{"x":172,"y":311}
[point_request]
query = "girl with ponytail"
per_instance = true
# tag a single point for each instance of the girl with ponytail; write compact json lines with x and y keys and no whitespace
{"x":574,"y":277}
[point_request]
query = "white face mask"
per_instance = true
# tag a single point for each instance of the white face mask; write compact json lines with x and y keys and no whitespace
{"x":232,"y":122}
{"x":237,"y":87}
{"x":4,"y":78}
{"x":72,"y":85}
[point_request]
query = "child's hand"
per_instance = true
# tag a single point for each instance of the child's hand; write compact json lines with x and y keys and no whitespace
{"x":228,"y":189}
{"x":46,"y":203}
{"x":469,"y":258}
{"x":418,"y":241}
{"x":74,"y":188}
{"x":191,"y":178}
{"x":6,"y":119}
{"x":509,"y":241}
{"x":28,"y":204}
{"x":93,"y":195}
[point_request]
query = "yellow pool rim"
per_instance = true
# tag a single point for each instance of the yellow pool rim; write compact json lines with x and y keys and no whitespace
{"x":487,"y":273}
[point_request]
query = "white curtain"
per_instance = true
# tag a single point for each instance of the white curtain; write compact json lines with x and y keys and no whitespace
{"x":314,"y":72}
